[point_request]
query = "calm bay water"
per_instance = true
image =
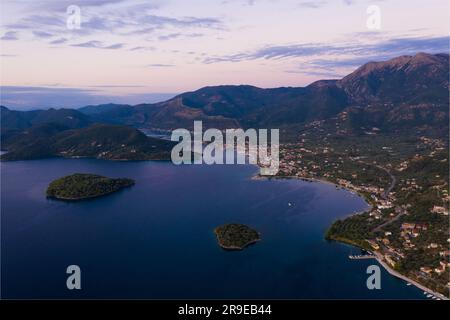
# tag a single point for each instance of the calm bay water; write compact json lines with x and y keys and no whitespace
{"x":156,"y":239}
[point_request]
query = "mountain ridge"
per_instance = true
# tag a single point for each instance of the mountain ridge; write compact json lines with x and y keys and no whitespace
{"x":406,"y":80}
{"x":415,"y":85}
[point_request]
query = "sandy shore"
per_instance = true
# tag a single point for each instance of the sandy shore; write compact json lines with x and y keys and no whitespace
{"x":379,"y":257}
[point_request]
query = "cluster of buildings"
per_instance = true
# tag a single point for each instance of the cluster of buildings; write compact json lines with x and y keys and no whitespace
{"x":413,"y":230}
{"x":309,"y":162}
{"x":409,"y":231}
{"x":293,"y":162}
{"x":436,"y":144}
{"x":440,"y":210}
{"x":428,"y":271}
{"x":410,"y":185}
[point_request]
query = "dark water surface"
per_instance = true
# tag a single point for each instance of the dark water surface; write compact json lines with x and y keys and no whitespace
{"x":156,"y":239}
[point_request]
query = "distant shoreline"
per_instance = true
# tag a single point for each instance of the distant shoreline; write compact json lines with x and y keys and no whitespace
{"x":378,"y":256}
{"x":84,"y":157}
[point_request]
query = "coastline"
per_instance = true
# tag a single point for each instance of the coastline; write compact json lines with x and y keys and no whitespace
{"x":85,"y":157}
{"x":378,"y":256}
{"x":394,"y":273}
{"x":59,"y":198}
{"x":234,"y":248}
{"x":370,"y":207}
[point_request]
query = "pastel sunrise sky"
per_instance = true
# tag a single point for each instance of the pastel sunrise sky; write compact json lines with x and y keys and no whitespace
{"x":134,"y":51}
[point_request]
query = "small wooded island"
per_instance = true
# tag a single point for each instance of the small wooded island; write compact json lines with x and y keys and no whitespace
{"x":81,"y":186}
{"x":235,"y":236}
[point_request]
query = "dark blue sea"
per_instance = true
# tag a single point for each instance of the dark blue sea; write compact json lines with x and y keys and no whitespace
{"x":156,"y":239}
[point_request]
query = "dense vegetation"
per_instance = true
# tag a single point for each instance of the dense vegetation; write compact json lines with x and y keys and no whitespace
{"x":235,"y":236}
{"x":353,"y":230}
{"x":82,"y":186}
{"x":112,"y":142}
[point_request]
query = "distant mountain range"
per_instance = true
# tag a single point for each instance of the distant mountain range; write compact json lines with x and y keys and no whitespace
{"x":19,"y":120}
{"x":405,"y":94}
{"x":409,"y":89}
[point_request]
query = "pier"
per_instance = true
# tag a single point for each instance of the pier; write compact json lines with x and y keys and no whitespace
{"x":361,"y":256}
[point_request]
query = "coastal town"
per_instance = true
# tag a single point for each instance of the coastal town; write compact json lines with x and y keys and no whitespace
{"x":407,"y":224}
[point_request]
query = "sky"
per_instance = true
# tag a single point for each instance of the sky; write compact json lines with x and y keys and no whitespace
{"x":137,"y":51}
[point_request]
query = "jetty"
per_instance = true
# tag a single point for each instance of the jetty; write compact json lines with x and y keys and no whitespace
{"x":361,"y":256}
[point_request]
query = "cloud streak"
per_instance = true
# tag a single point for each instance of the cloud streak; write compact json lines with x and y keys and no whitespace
{"x":179,"y":35}
{"x":312,"y":4}
{"x":42,"y":34}
{"x":160,"y":65}
{"x":99,"y":18}
{"x":382,"y":49}
{"x":58,"y":41}
{"x":10,"y":35}
{"x":98,"y":45}
{"x":142,"y":48}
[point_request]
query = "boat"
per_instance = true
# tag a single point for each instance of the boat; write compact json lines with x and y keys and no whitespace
{"x":429,"y":295}
{"x":408,"y":284}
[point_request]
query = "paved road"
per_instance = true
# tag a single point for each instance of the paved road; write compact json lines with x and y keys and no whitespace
{"x":385,"y":196}
{"x":390,"y":221}
{"x":391,"y":186}
{"x":393,"y":179}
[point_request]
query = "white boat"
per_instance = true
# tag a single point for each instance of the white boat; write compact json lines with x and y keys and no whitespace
{"x":408,"y":284}
{"x":429,"y":295}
